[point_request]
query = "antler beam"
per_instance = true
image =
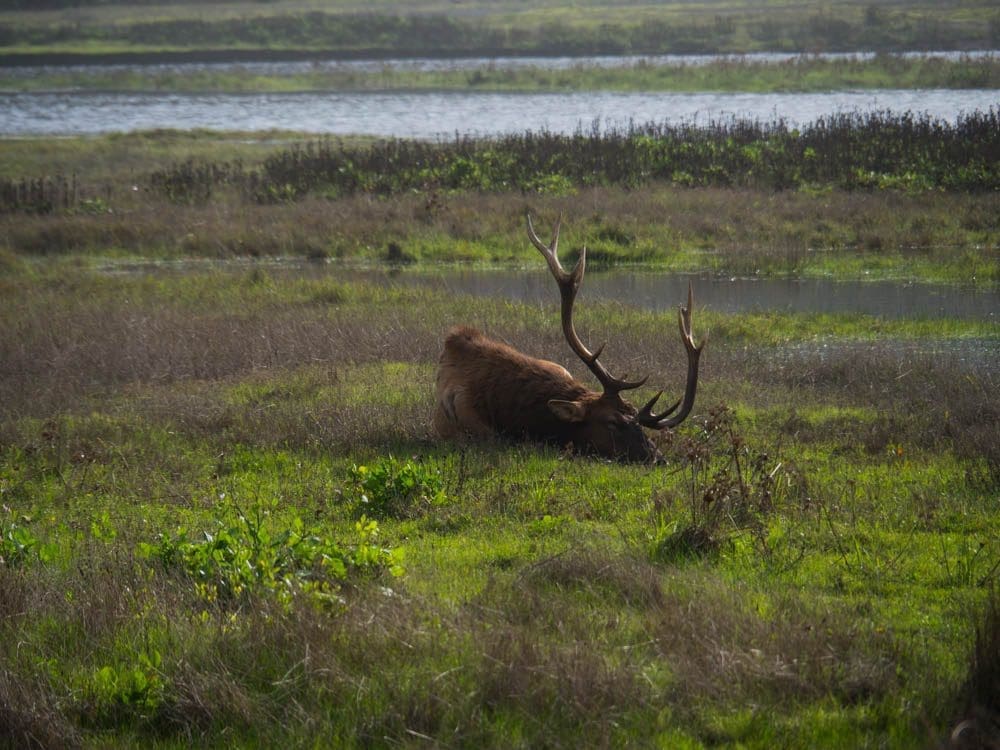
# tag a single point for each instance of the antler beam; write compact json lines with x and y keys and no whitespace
{"x":646,"y":416}
{"x":569,"y":284}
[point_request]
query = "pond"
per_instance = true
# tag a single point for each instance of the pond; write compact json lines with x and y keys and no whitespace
{"x":657,"y":290}
{"x":662,"y":291}
{"x":645,"y":288}
{"x":439,"y":114}
{"x":665,"y":291}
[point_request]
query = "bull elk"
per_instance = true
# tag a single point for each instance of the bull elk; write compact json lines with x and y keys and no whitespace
{"x":485,"y":387}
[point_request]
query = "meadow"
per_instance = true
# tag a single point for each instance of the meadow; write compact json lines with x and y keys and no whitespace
{"x":224,"y":519}
{"x":58,"y":31}
{"x":878,"y":196}
{"x":806,"y":73}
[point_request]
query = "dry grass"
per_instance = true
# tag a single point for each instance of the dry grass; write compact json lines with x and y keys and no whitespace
{"x":69,"y":343}
{"x":980,"y":709}
{"x":633,"y":582}
{"x":752,"y":229}
{"x":720,"y":649}
{"x":174,"y":350}
{"x":31,"y":716}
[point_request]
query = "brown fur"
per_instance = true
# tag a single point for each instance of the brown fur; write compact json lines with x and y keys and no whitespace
{"x":485,"y":387}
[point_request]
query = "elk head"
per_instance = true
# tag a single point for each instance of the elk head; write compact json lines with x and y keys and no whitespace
{"x":604,"y":422}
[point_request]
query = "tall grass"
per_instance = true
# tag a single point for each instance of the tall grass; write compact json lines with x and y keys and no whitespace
{"x":851,"y":151}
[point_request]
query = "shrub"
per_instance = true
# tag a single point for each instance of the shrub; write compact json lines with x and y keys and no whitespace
{"x":733,"y":487}
{"x":854,"y":151}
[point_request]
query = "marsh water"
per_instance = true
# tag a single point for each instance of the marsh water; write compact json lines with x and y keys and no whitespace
{"x":642,"y":287}
{"x":442,"y":114}
{"x":662,"y":291}
{"x":665,"y":291}
{"x":438,"y":114}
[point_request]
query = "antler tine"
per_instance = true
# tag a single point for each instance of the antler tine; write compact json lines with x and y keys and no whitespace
{"x":684,"y":320}
{"x":551,"y":253}
{"x":569,"y":283}
{"x":646,"y":416}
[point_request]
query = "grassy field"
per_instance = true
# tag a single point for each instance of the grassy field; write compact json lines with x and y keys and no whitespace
{"x":190,"y":461}
{"x":168,"y":194}
{"x":224,"y":520}
{"x":800,"y":74}
{"x":296,"y":28}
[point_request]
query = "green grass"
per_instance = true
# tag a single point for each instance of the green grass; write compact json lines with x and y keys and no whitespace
{"x":801,"y":74}
{"x":432,"y":28}
{"x":893,"y":231}
{"x":824,"y":563}
{"x":925,"y":237}
{"x":114,"y":157}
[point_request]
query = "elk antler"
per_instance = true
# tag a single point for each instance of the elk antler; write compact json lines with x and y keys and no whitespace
{"x":569,"y":283}
{"x":646,"y":417}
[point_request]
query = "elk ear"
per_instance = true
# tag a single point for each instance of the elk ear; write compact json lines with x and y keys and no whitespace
{"x":568,"y":411}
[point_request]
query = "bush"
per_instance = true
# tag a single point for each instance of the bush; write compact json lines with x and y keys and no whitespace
{"x":734,"y":487}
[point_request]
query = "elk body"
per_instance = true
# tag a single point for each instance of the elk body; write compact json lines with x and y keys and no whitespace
{"x":485,"y":387}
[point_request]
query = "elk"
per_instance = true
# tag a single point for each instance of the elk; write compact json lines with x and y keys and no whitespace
{"x":485,"y":387}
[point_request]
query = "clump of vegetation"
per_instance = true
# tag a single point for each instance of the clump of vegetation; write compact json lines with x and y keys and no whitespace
{"x":859,"y":151}
{"x":733,"y":487}
{"x":18,"y":544}
{"x":390,"y":488}
{"x":247,"y":557}
{"x":40,"y":195}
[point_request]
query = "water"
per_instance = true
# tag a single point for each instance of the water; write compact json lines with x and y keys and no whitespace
{"x":644,"y":288}
{"x":660,"y":291}
{"x":663,"y":291}
{"x":436,"y":114}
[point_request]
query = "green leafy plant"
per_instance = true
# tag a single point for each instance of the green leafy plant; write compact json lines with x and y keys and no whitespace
{"x":18,"y":544}
{"x":854,"y":151}
{"x":137,"y":688}
{"x":252,"y":555}
{"x":390,"y":488}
